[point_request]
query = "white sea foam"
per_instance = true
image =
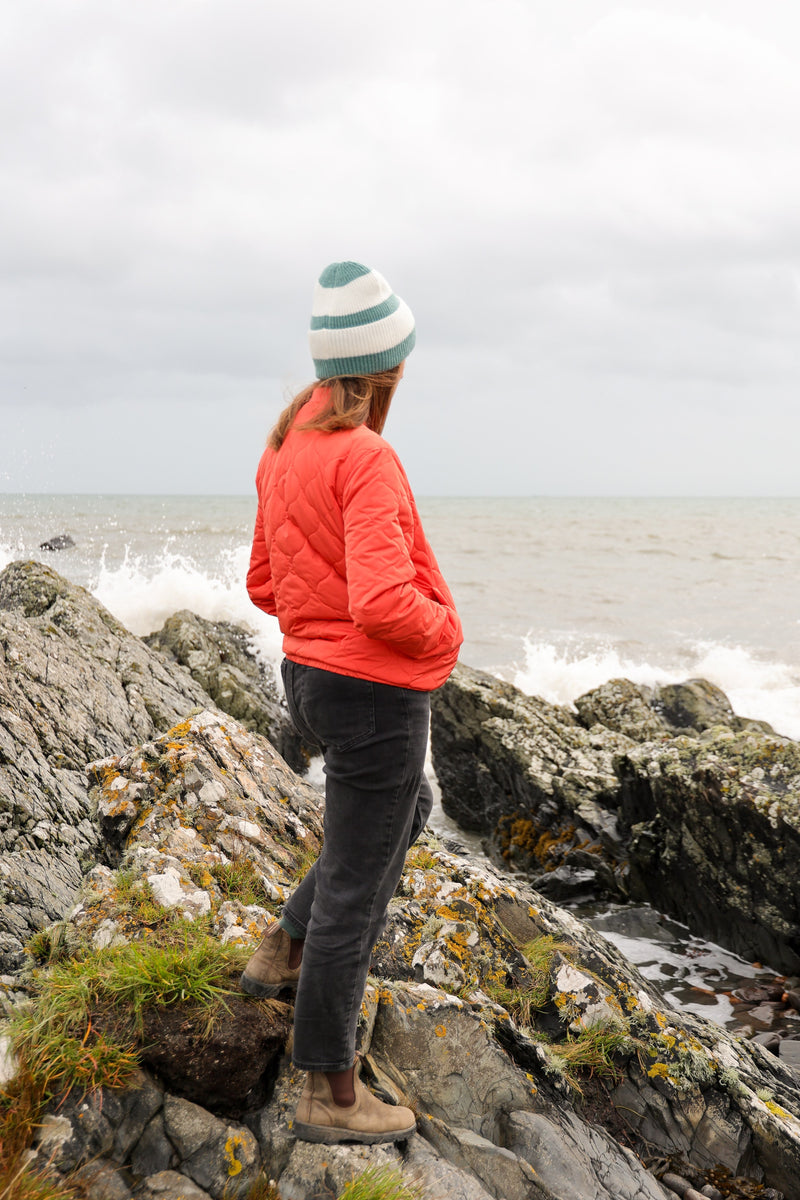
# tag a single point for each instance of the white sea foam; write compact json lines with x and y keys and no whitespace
{"x":143,"y":593}
{"x":768,"y":691}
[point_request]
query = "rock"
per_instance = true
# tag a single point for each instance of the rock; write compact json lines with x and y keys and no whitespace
{"x":319,"y":1172}
{"x":74,"y":685}
{"x":436,"y":1176}
{"x":224,"y":1159}
{"x":101,"y":1182}
{"x":700,"y":705}
{"x":170,"y":1185}
{"x":625,"y":707}
{"x":676,"y":1183}
{"x":499,"y":1169}
{"x":575,"y":1159}
{"x":696,"y":704}
{"x":715,"y":838}
{"x":528,"y":774}
{"x":491,"y":1070}
{"x":653,"y":713}
{"x":62,"y":541}
{"x":789,"y":1052}
{"x":220,"y":657}
{"x":704,"y":827}
{"x":8,"y":1062}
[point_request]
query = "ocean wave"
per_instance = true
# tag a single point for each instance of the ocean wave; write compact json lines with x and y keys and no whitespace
{"x":142,"y":593}
{"x":766,"y":691}
{"x":143,"y":590}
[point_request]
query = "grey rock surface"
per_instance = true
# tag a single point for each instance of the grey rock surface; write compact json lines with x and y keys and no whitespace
{"x":480,"y":984}
{"x":578,"y":1159}
{"x":714,"y":837}
{"x":704,"y":824}
{"x":220,"y":657}
{"x":74,"y":685}
{"x":170,"y":1185}
{"x":220,"y":1157}
{"x":527,"y":774}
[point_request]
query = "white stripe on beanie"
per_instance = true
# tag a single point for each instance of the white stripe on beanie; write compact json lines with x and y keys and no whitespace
{"x":358,"y":325}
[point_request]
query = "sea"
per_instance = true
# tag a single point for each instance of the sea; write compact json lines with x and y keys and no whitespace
{"x":556,"y":595}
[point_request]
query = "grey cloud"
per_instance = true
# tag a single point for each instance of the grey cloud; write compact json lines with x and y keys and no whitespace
{"x":590,"y":203}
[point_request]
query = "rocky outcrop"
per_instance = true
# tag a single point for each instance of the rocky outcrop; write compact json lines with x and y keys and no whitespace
{"x":647,"y":713}
{"x":220,"y":657}
{"x":714,"y":836}
{"x":483,"y":1012}
{"x":667,"y":797}
{"x":74,"y":685}
{"x":531,"y":777}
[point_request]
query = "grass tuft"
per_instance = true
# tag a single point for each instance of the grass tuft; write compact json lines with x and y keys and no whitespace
{"x":82,"y":1030}
{"x":240,"y":880}
{"x":591,"y":1052}
{"x":525,"y":1001}
{"x":380,"y":1183}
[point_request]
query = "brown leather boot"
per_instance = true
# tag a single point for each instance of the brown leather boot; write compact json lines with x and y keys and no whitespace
{"x":268,"y":972}
{"x":320,"y":1119}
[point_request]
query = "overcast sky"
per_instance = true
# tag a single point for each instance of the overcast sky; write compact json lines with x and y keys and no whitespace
{"x":593,"y":210}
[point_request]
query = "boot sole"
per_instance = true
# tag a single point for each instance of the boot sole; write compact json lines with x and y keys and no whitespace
{"x":254,"y":987}
{"x":329,"y":1134}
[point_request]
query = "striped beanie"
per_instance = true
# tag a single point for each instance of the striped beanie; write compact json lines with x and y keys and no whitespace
{"x":358,"y":325}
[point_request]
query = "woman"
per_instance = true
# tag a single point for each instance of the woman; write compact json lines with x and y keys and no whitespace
{"x":369,"y":628}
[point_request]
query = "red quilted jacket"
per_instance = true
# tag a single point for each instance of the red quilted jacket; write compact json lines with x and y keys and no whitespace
{"x":340,"y":557}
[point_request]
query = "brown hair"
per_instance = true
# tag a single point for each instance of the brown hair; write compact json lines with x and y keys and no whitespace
{"x":353,"y":400}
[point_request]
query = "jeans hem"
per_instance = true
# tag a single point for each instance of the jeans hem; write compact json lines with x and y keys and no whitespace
{"x":317,"y":1069}
{"x":292,"y":928}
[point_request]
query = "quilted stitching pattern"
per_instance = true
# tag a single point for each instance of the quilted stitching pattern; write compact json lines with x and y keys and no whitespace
{"x":340,"y":556}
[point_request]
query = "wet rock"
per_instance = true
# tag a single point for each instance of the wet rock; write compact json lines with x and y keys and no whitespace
{"x":789,"y":1052}
{"x":62,"y":541}
{"x":770,"y":1041}
{"x":705,"y":827}
{"x":526,"y":773}
{"x":74,"y":685}
{"x":220,"y":657}
{"x":715,"y":836}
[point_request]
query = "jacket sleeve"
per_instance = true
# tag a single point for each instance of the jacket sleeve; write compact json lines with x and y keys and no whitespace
{"x":384,"y":602}
{"x":259,"y":575}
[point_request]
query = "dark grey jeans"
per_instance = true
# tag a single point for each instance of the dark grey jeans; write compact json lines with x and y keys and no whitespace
{"x":377,"y":800}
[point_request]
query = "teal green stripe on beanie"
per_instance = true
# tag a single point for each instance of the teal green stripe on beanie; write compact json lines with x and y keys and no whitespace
{"x":365,"y":364}
{"x":338,"y":274}
{"x":365,"y":317}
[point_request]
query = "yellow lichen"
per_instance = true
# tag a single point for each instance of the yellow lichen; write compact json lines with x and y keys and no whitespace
{"x":231,"y":1146}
